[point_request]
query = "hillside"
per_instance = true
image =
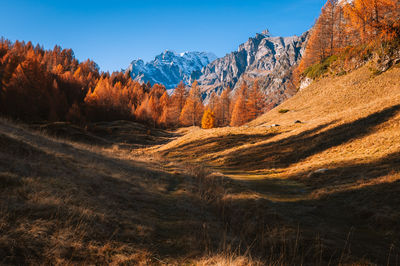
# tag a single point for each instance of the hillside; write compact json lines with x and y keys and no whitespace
{"x":71,"y":202}
{"x":313,"y":181}
{"x":326,"y":104}
{"x":316,"y":192}
{"x":334,"y":173}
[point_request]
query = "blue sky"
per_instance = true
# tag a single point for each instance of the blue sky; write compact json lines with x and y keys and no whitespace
{"x":113,"y":33}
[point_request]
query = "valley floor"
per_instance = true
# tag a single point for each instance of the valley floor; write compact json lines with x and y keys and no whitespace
{"x":322,"y":191}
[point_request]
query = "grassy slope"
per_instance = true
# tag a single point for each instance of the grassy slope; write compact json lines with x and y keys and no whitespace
{"x":100,"y":198}
{"x":64,"y":202}
{"x":336,"y":174}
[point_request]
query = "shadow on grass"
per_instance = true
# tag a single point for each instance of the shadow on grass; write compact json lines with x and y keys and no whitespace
{"x":75,"y":205}
{"x":283,"y":153}
{"x":214,"y":145}
{"x":345,"y":174}
{"x":198,"y":148}
{"x":355,"y":200}
{"x":351,"y":172}
{"x":84,"y":207}
{"x":124,"y":133}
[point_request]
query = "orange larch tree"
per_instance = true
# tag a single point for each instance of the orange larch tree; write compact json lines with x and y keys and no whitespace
{"x":240,"y":112}
{"x":143,"y":112}
{"x":193,"y":109}
{"x":224,"y":108}
{"x":208,"y":120}
{"x":165,"y":119}
{"x":373,"y":18}
{"x":256,"y":101}
{"x":213,"y":101}
{"x":178,"y":100}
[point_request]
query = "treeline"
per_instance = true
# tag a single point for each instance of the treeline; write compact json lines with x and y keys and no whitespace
{"x":345,"y":26}
{"x":184,"y":107}
{"x":51,"y":85}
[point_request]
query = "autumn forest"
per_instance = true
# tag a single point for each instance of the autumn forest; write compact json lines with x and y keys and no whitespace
{"x":351,"y":31}
{"x":285,"y":151}
{"x":52,"y":85}
{"x":38,"y":84}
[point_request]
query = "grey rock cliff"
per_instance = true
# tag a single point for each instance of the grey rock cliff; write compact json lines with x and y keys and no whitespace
{"x":267,"y":59}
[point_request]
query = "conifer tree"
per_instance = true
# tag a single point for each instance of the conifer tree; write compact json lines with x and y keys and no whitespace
{"x":208,"y":120}
{"x":213,"y":101}
{"x":223,"y":108}
{"x":240,"y":112}
{"x":143,"y":112}
{"x":375,"y":18}
{"x":193,"y":109}
{"x":256,"y":101}
{"x":178,"y":101}
{"x":155,"y":109}
{"x":165,"y":118}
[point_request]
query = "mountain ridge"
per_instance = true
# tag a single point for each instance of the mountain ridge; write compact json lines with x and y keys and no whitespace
{"x":269,"y":59}
{"x":169,"y":68}
{"x":264,"y":57}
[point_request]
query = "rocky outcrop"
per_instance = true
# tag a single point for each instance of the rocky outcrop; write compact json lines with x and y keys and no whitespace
{"x":265,"y":58}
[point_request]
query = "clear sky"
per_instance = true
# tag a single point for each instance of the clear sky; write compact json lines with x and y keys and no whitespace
{"x":113,"y":33}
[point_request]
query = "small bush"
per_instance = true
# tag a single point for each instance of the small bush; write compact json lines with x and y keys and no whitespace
{"x":363,"y":52}
{"x":317,"y":70}
{"x":283,"y":111}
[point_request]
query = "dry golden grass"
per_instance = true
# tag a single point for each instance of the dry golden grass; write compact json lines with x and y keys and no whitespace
{"x":335,"y":172}
{"x":64,"y":202}
{"x":357,"y":113}
{"x":324,"y":191}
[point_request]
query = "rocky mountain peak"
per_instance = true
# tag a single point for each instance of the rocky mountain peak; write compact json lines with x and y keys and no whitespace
{"x":270,"y":60}
{"x":266,"y":33}
{"x":267,"y":59}
{"x":169,"y":68}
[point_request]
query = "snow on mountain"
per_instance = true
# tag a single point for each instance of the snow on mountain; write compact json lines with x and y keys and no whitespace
{"x":265,"y":58}
{"x":170,"y":68}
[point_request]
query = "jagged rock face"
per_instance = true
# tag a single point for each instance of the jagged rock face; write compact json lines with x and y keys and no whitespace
{"x":170,"y":68}
{"x":268,"y":59}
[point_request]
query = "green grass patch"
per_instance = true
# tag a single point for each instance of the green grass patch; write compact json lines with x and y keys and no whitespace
{"x":317,"y":70}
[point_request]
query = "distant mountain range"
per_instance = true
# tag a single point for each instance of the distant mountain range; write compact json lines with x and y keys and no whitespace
{"x":268,"y":59}
{"x":170,"y":68}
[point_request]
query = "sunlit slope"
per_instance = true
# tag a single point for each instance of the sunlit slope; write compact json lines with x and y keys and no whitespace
{"x":329,"y":156}
{"x":343,"y":119}
{"x":351,"y":118}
